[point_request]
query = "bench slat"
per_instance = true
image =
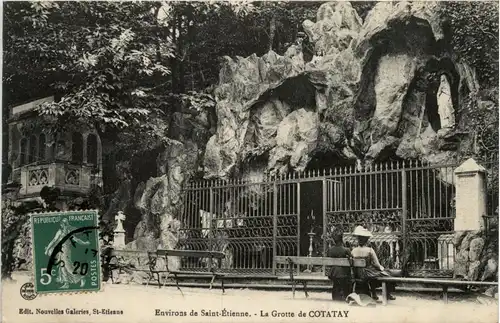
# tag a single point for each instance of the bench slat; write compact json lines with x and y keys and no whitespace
{"x":305,"y":277}
{"x":183,"y":274}
{"x":435,"y":281}
{"x":129,"y":253}
{"x":191,"y":253}
{"x":320,"y":261}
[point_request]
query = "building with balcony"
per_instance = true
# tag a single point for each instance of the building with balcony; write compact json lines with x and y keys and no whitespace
{"x":70,"y":161}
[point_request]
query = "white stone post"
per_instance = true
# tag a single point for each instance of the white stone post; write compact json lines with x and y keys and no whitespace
{"x":470,"y":197}
{"x":119,"y":232}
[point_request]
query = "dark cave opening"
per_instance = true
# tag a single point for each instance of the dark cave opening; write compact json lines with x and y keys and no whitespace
{"x":298,"y":92}
{"x":432,"y":109}
{"x":323,"y":160}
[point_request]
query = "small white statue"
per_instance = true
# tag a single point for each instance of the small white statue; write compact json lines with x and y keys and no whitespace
{"x":120,"y":217}
{"x":119,"y":233}
{"x":445,"y":103}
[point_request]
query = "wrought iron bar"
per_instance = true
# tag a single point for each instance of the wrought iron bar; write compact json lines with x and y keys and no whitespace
{"x":324,"y":219}
{"x":275,"y":224}
{"x":210,"y":224}
{"x":403,"y":220}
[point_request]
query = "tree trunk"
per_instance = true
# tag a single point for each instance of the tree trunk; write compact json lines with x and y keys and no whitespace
{"x":181,"y":55}
{"x":158,"y":53}
{"x":272,"y":30}
{"x":173,"y":60}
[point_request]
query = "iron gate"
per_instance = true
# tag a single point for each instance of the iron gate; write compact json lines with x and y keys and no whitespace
{"x":250,"y":222}
{"x":373,"y":199}
{"x":409,"y":208}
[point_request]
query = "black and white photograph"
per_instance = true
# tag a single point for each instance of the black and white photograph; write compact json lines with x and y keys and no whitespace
{"x":250,"y":161}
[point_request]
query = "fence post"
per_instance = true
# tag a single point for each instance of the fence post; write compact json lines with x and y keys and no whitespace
{"x":210,"y":224}
{"x":275,"y":224}
{"x":298,"y":223}
{"x":404,"y":232}
{"x":325,"y":222}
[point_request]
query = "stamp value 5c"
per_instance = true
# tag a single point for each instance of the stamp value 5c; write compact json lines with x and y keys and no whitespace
{"x":66,"y":252}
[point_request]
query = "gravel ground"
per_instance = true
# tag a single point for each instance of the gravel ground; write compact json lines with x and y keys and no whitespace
{"x":143,"y":303}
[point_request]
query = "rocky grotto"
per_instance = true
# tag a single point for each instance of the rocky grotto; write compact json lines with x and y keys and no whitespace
{"x":388,"y":87}
{"x":385,"y":87}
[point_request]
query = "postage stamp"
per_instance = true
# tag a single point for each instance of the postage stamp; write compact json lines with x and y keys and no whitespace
{"x":66,"y":251}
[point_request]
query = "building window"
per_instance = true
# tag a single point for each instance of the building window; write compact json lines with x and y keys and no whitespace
{"x":77,"y":147}
{"x":23,"y":153}
{"x":41,"y":147}
{"x":32,"y":151}
{"x":92,"y":149}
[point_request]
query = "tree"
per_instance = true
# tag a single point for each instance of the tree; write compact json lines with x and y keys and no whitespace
{"x":126,"y":68}
{"x":473,"y":29}
{"x":101,"y":62}
{"x":115,"y":72}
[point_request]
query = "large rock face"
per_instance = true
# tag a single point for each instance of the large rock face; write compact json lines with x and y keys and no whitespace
{"x":374,"y":89}
{"x":295,"y":139}
{"x":476,"y":255}
{"x":160,"y":198}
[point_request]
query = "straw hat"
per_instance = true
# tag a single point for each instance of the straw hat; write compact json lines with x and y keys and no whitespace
{"x":361,"y":232}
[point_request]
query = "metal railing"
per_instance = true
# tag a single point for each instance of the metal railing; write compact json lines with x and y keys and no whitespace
{"x":409,"y":206}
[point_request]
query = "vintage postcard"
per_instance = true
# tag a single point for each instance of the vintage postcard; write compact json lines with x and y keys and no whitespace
{"x":250,"y":161}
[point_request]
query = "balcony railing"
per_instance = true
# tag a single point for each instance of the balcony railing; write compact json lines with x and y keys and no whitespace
{"x":65,"y":176}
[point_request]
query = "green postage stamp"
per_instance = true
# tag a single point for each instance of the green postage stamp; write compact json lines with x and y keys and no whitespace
{"x":66,"y":252}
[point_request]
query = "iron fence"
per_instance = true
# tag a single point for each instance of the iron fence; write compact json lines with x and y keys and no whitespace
{"x":250,"y":222}
{"x":409,"y":207}
{"x":491,"y":166}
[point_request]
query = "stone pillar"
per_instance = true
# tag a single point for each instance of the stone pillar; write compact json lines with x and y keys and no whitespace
{"x":470,"y":198}
{"x":119,"y":232}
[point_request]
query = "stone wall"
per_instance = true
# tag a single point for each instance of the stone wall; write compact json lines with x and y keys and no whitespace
{"x":476,"y":255}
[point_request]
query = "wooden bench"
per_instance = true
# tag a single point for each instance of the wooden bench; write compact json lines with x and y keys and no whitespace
{"x":444,"y":283}
{"x":213,"y":272}
{"x":291,"y":261}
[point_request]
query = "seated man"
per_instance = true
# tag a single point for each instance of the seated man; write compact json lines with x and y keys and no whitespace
{"x":340,"y":276}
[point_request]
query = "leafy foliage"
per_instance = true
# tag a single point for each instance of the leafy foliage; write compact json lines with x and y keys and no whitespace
{"x":107,"y":70}
{"x":473,"y":30}
{"x":127,"y":75}
{"x":127,"y":68}
{"x":97,"y":56}
{"x":207,"y":31}
{"x":14,"y":218}
{"x":482,"y":121}
{"x":473,"y":27}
